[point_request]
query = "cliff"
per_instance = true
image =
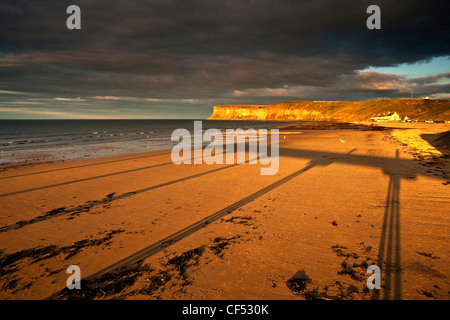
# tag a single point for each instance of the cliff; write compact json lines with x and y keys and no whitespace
{"x":417,"y":109}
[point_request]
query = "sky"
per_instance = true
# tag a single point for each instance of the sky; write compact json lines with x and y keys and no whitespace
{"x":176,"y":59}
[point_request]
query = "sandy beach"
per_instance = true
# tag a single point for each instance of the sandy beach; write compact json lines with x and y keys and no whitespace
{"x":140,"y":227}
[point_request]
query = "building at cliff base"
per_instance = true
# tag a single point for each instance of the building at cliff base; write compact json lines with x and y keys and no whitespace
{"x":388,"y":117}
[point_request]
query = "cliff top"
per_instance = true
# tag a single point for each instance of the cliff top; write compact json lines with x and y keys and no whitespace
{"x":416,"y":109}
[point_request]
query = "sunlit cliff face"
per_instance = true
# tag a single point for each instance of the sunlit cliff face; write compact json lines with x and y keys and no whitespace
{"x":335,"y":110}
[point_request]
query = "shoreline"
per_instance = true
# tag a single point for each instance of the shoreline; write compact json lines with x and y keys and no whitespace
{"x":32,"y":159}
{"x":112,"y":138}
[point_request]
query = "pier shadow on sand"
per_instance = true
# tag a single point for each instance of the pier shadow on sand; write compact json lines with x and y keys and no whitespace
{"x":389,"y":254}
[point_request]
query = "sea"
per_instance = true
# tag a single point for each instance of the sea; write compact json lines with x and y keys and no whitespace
{"x":37,"y":141}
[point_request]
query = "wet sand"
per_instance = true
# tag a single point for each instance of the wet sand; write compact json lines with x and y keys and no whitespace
{"x":140,"y":227}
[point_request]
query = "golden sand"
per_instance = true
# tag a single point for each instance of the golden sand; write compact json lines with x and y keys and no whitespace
{"x":140,"y":227}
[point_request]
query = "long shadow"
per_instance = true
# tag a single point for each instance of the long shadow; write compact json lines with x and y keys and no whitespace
{"x":82,"y":180}
{"x":389,"y":254}
{"x":404,"y":167}
{"x":85,"y":207}
{"x":185,"y":232}
{"x":153,"y":154}
{"x":89,"y":178}
{"x":94,"y":177}
{"x":83,"y":166}
{"x":389,"y":257}
{"x":109,"y":198}
{"x":390,"y":232}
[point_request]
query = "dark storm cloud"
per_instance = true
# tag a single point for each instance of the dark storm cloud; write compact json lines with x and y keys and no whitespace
{"x":224,"y":50}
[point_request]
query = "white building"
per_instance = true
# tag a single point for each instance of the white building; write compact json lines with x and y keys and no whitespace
{"x":388,"y":117}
